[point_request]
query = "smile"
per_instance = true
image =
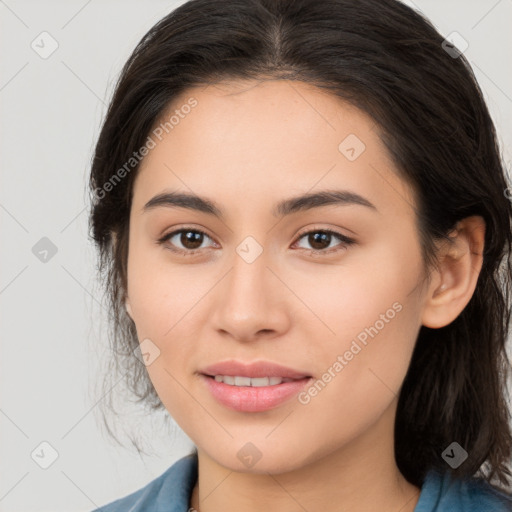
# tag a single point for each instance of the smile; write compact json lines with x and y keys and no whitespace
{"x":251,"y":381}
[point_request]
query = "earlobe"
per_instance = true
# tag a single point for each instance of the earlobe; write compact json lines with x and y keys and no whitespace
{"x":460,"y":262}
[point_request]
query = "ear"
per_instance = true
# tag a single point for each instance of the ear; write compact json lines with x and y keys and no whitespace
{"x":454,"y":282}
{"x":128,"y":307}
{"x":113,"y":237}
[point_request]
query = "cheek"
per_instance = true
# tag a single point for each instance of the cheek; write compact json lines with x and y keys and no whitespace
{"x":160,"y":293}
{"x":370,"y":313}
{"x":365,"y":383}
{"x":164,"y":301}
{"x":366,"y":288}
{"x":361,"y":370}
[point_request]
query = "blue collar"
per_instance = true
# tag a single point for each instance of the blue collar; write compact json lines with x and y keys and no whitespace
{"x":440,"y":492}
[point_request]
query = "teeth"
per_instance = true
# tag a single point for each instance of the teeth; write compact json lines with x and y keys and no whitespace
{"x":248,"y":381}
{"x":242,"y":381}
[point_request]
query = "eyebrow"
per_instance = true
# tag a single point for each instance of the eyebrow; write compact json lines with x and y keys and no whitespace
{"x":286,"y":207}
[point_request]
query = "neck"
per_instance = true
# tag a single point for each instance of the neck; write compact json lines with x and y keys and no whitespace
{"x":360,"y":476}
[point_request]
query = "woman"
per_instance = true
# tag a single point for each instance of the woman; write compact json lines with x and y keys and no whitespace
{"x":302,"y":214}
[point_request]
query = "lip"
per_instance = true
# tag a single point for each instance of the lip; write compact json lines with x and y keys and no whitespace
{"x":256,"y":369}
{"x":248,"y":398}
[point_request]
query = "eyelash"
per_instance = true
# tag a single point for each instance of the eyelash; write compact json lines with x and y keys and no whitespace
{"x":345,"y":241}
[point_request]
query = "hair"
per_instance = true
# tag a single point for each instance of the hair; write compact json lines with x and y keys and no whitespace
{"x":387,"y":60}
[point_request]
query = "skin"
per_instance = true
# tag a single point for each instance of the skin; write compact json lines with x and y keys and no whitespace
{"x":246,"y":146}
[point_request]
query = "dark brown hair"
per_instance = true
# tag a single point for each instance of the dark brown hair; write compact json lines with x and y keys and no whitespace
{"x":389,"y":61}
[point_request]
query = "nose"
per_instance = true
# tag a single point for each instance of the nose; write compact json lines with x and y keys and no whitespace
{"x":251,"y":302}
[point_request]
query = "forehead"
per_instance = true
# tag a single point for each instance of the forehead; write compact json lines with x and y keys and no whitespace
{"x":247,"y":138}
{"x":242,"y":110}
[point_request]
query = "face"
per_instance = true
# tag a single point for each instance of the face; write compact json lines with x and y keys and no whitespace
{"x":328,"y":289}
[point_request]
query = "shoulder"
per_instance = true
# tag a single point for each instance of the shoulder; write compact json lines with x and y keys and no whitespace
{"x":441,"y":492}
{"x":169,"y":492}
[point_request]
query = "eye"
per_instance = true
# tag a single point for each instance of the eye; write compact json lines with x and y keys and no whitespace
{"x":192,"y":239}
{"x":320,"y":239}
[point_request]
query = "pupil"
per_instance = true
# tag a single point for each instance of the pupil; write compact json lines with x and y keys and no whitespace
{"x":319,"y":237}
{"x":191,"y":237}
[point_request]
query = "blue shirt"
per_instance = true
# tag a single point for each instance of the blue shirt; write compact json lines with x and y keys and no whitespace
{"x":171,"y":491}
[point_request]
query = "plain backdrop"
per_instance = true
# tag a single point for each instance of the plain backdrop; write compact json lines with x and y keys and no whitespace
{"x":52,"y":336}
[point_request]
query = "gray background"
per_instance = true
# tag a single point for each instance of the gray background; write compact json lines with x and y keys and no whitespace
{"x":53,"y":330}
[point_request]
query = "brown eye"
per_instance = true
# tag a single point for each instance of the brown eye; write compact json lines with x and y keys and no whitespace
{"x":185,"y":241}
{"x":318,"y":240}
{"x":321,"y":239}
{"x":188,"y":241}
{"x":191,"y":239}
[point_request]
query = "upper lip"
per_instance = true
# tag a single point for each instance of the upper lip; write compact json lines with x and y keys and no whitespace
{"x":253,"y":370}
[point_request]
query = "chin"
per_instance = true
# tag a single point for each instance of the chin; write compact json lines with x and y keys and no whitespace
{"x":257,"y":459}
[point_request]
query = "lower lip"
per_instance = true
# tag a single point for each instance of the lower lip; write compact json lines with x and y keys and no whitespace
{"x":254,"y":399}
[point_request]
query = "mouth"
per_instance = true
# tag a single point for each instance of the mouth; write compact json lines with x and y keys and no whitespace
{"x":234,"y":372}
{"x":255,"y":382}
{"x":255,"y":387}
